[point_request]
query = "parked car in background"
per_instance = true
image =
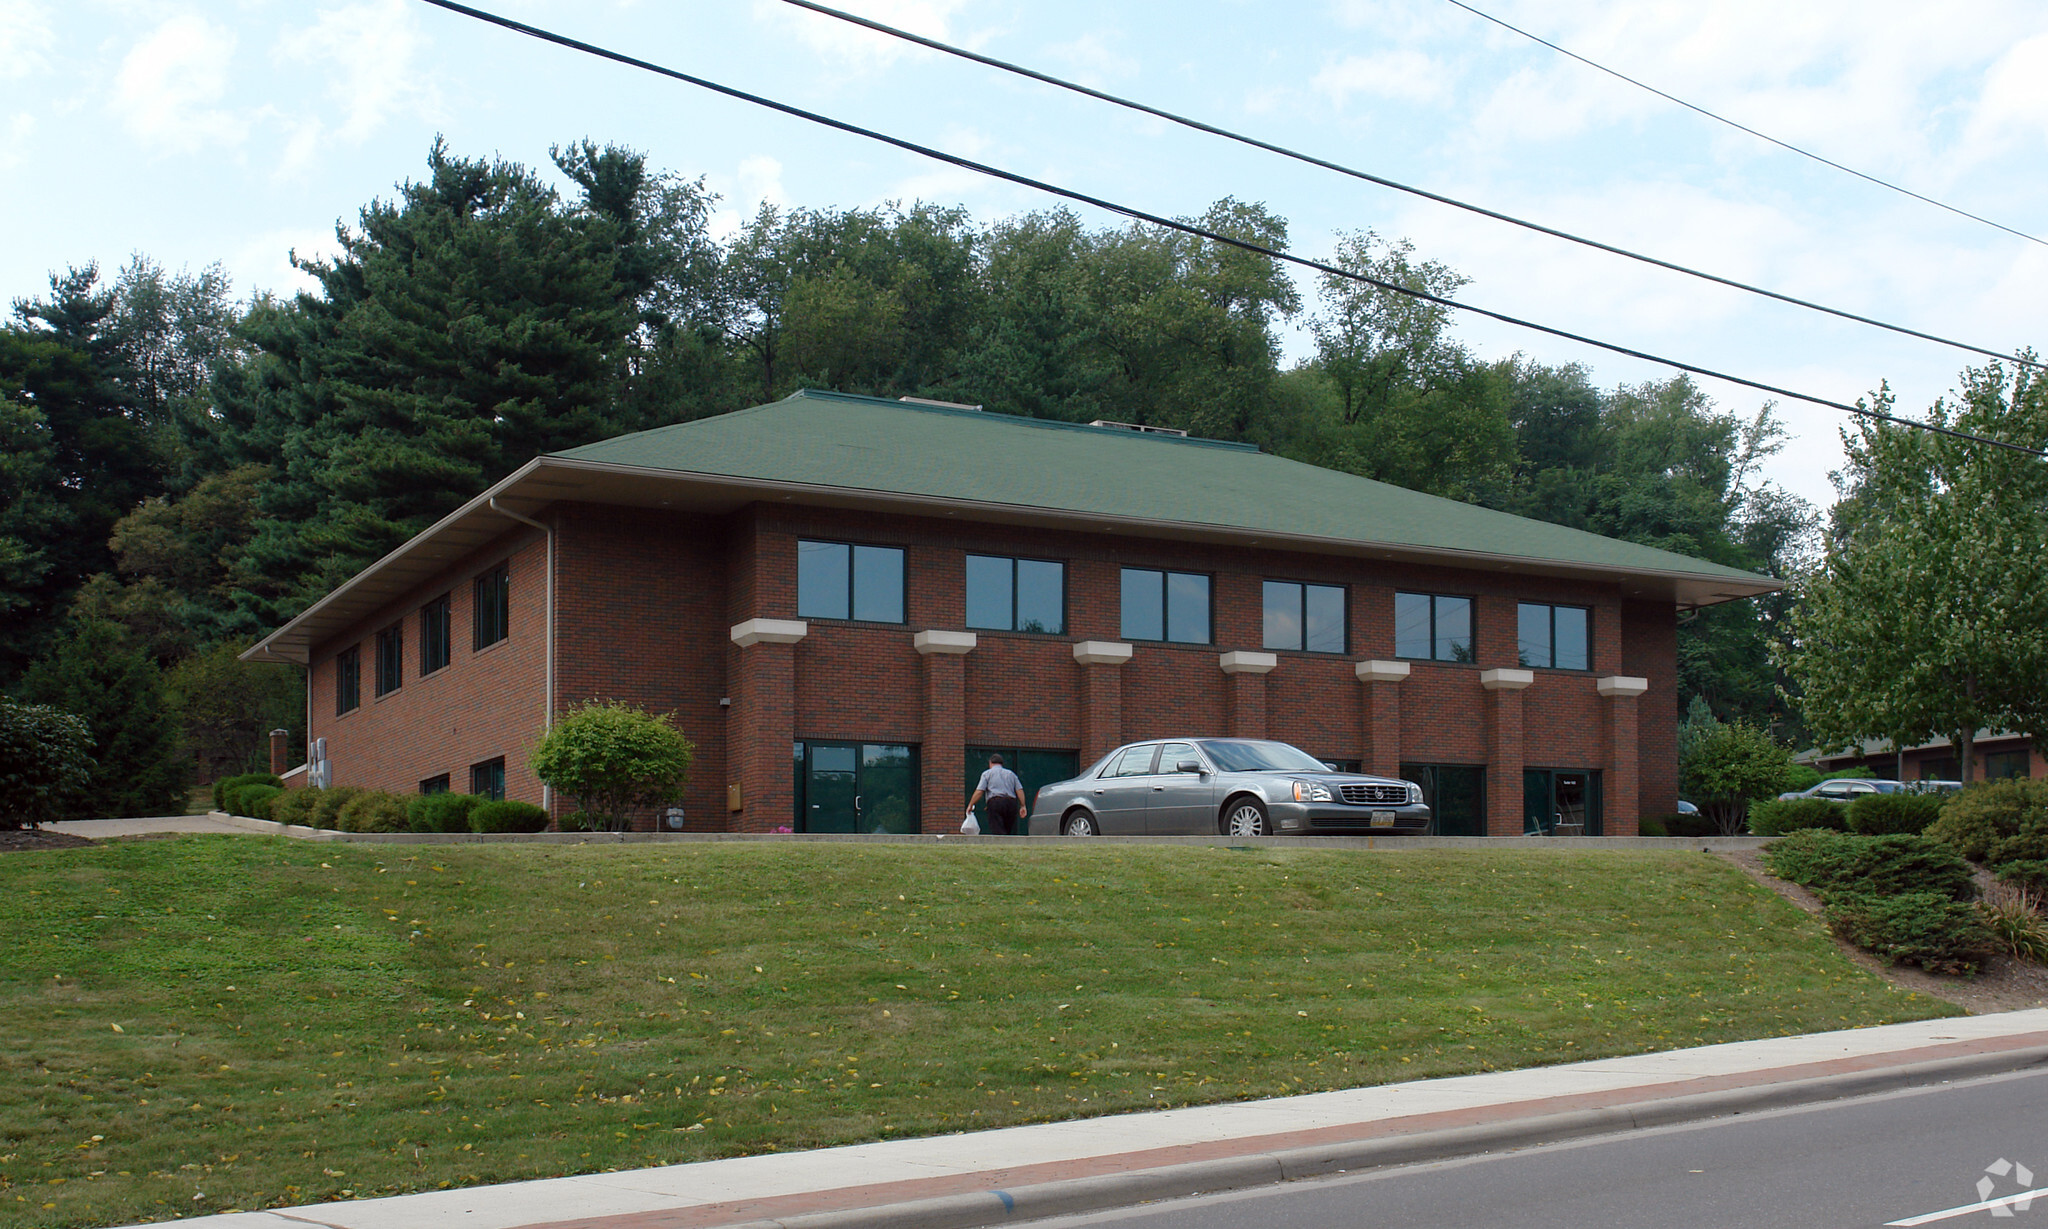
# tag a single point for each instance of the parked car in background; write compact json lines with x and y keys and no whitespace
{"x":1934,"y":787}
{"x":1231,"y":786}
{"x":1687,"y":808}
{"x":1847,"y":789}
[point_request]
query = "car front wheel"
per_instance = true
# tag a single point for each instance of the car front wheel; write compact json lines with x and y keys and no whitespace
{"x":1080,"y":823}
{"x":1246,"y":817}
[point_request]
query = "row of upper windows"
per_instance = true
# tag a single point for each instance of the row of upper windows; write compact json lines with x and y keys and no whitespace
{"x":490,"y":622}
{"x":840,"y":580}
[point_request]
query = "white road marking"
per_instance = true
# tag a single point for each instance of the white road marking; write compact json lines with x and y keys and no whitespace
{"x":2021,"y":1200}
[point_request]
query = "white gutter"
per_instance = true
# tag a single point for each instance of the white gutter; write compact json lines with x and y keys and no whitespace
{"x":500,"y":509}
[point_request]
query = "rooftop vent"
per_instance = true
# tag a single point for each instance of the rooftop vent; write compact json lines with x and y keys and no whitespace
{"x":944,"y":405}
{"x":1140,"y":428}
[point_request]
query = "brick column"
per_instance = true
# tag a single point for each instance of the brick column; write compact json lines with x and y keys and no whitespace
{"x":1504,"y":750}
{"x":762,"y":726}
{"x":1621,"y":797}
{"x":1246,"y":701}
{"x":1102,"y":696}
{"x":1379,"y":712}
{"x":944,"y":747}
{"x":279,"y":752}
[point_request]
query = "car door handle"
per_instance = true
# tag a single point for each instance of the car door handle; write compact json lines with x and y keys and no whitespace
{"x":1158,"y":788}
{"x":1098,"y":791}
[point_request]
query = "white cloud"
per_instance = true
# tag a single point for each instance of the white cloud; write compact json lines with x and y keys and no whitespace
{"x":858,"y":49}
{"x":264,"y":260}
{"x":1092,"y":61}
{"x":370,"y":53}
{"x":756,"y":182}
{"x":13,"y":147}
{"x":25,"y":38}
{"x":166,"y":87}
{"x":1405,"y":75}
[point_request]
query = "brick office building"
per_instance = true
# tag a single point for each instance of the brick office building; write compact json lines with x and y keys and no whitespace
{"x":847,"y":602}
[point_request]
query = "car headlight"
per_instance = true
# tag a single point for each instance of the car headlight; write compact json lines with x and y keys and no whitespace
{"x":1414,"y":793}
{"x":1311,"y":791}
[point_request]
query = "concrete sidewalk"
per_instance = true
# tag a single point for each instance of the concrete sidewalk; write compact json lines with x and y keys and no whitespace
{"x":212,"y":822}
{"x":1021,"y":1173}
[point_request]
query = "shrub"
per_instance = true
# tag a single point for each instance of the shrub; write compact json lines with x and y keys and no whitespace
{"x":45,"y":764}
{"x":1770,"y":817}
{"x":1973,"y":820}
{"x":612,"y":757}
{"x":224,"y":789}
{"x":1880,"y":814}
{"x":138,"y":766}
{"x":441,"y":812}
{"x":1837,"y":863}
{"x":507,"y":816}
{"x":1728,"y":767}
{"x":2013,"y":916}
{"x":254,"y":801}
{"x":327,"y":808}
{"x":584,"y":821}
{"x":373,"y":811}
{"x":1677,"y":824}
{"x":1798,"y":777}
{"x":295,"y":806}
{"x":1936,"y":932}
{"x":2031,"y":875}
{"x":2029,"y":844}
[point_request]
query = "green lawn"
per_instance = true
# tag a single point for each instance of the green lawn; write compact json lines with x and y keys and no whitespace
{"x":237,"y":1022}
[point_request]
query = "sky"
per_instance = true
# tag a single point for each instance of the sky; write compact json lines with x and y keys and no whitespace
{"x":239,"y":131}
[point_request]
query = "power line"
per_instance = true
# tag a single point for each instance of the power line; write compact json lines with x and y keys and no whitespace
{"x":1741,"y":127}
{"x":1382,"y":181}
{"x":1139,"y":215}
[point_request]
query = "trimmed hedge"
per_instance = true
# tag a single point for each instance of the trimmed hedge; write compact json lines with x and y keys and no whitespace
{"x":507,"y":816}
{"x":327,"y":807}
{"x":295,"y":806}
{"x":223,"y":789}
{"x":1839,"y":863}
{"x":1973,"y":821}
{"x":1936,"y":932}
{"x":373,"y":811}
{"x":2031,"y":874}
{"x":441,"y":812}
{"x":1772,"y":817}
{"x":1675,"y":823}
{"x":1882,"y":814}
{"x":586,"y":821}
{"x":254,"y":801}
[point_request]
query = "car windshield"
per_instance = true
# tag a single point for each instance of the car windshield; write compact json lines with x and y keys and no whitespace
{"x":1232,"y":755}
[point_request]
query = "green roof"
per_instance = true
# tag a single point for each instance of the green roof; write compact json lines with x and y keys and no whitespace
{"x":926,"y":452}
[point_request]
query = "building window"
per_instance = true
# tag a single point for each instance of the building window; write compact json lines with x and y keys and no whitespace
{"x":348,"y":680}
{"x":434,"y":635}
{"x":1938,"y":770}
{"x":487,"y":780}
{"x":835,"y":580}
{"x":1016,"y":595}
{"x":1309,"y":618}
{"x":1554,"y":637}
{"x":1166,"y":606}
{"x":437,"y":785}
{"x":1433,"y":627}
{"x":390,"y":659}
{"x":2005,"y":765}
{"x":491,"y":620}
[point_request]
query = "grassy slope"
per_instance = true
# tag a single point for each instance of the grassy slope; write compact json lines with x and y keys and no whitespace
{"x":204,"y":1023}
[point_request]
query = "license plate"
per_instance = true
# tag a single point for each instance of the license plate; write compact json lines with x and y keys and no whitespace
{"x":1382,"y":819}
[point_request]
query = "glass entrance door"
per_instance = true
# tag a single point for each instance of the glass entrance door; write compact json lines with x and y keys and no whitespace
{"x":1560,"y":802}
{"x":1456,"y":794}
{"x":858,"y":787}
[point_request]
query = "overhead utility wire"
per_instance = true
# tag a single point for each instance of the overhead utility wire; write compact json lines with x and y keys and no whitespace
{"x":1761,"y":136}
{"x":1139,"y":215}
{"x":1369,"y":177}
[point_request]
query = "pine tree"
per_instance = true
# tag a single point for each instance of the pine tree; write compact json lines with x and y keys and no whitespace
{"x":93,"y":673}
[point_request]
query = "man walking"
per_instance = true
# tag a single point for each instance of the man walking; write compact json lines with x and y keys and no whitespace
{"x":1005,"y":795}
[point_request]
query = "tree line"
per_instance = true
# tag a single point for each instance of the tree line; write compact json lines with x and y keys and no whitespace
{"x":184,"y":470}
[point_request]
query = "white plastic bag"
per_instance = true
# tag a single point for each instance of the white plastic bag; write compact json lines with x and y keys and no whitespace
{"x":970,"y":826}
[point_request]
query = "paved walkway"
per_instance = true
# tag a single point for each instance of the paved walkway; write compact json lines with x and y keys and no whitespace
{"x":101,"y":829}
{"x":1020,"y":1173}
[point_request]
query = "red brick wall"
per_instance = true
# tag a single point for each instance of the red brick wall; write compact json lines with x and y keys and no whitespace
{"x":1650,"y":651}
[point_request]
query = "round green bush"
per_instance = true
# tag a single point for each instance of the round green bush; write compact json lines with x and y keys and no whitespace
{"x":327,"y":808}
{"x":1974,"y":820}
{"x":441,"y":812}
{"x":373,"y":811}
{"x":223,"y":789}
{"x":507,"y":816}
{"x":1881,"y":814}
{"x":295,"y":806}
{"x":2031,"y":874}
{"x":1771,"y":817}
{"x":1840,"y":863}
{"x":254,"y":801}
{"x":1936,"y":932}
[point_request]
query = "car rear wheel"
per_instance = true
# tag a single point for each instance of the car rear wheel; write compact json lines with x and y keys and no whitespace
{"x":1080,"y":823}
{"x":1246,"y":817}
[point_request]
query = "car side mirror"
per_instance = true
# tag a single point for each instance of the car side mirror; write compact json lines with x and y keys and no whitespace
{"x":1190,"y":766}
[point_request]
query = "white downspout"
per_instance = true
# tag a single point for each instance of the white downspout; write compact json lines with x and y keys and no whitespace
{"x":545,"y":793}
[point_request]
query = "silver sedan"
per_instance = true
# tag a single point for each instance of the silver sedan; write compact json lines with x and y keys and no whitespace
{"x":1228,"y":786}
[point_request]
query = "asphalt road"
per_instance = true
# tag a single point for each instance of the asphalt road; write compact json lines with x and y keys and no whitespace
{"x":1898,"y":1159}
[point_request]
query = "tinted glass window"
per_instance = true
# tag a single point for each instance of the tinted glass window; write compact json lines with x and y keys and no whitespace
{"x":390,"y":659}
{"x":1136,"y":762}
{"x":1144,"y":605}
{"x":1553,"y":636}
{"x":824,"y":580}
{"x":491,"y":608}
{"x":878,"y":583}
{"x":1454,"y":629}
{"x":991,"y":592}
{"x":1237,"y":755}
{"x":434,"y":635}
{"x":1282,"y":615}
{"x":1024,"y":595}
{"x":1187,"y":608}
{"x":1171,"y":755}
{"x":1323,"y":619}
{"x":1041,"y":596}
{"x":487,"y":780}
{"x":1433,"y":627}
{"x":1569,"y":638}
{"x":435,"y":785}
{"x":348,"y":680}
{"x":1413,"y":635}
{"x":1532,"y":634}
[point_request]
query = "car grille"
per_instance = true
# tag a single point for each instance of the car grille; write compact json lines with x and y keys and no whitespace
{"x":1375,"y":795}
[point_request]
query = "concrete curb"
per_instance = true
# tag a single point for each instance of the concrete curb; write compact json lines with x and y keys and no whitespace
{"x":1098,"y":1194}
{"x":1384,"y":844}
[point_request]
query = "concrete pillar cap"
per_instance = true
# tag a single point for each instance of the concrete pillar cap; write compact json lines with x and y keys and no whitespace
{"x":1101,"y":653}
{"x":1622,"y":685}
{"x":1381,"y":671}
{"x":769,"y":631}
{"x":1506,"y":680}
{"x":1241,"y":661}
{"x":936,"y":641}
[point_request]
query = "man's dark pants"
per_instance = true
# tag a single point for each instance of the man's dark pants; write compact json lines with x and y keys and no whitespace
{"x":1002,"y":815}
